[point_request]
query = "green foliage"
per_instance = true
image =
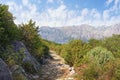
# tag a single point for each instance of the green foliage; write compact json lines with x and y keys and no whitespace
{"x":12,"y":57}
{"x":28,"y":67}
{"x":94,"y":42}
{"x":73,"y":52}
{"x":113,"y":45}
{"x":116,"y":71}
{"x":8,"y":30}
{"x":79,"y":49}
{"x":100,"y":55}
{"x":27,"y":33}
{"x":32,"y":40}
{"x":18,"y":76}
{"x":99,"y":64}
{"x":91,"y":73}
{"x":53,"y":46}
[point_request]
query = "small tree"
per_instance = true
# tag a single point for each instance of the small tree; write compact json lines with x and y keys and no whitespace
{"x":8,"y":30}
{"x":75,"y":52}
{"x":32,"y":39}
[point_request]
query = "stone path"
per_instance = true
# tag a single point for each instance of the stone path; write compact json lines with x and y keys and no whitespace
{"x":56,"y":69}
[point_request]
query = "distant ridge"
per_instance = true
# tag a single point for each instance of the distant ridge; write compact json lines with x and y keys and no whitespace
{"x":83,"y":32}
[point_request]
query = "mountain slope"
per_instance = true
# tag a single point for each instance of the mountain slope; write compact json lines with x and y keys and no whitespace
{"x":84,"y":32}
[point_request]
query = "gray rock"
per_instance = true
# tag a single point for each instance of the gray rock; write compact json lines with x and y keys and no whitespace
{"x":28,"y":58}
{"x":20,"y":47}
{"x":72,"y":71}
{"x":4,"y":71}
{"x":48,"y":73}
{"x":35,"y":76}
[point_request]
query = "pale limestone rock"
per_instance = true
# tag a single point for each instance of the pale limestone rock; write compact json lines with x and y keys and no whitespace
{"x":4,"y":71}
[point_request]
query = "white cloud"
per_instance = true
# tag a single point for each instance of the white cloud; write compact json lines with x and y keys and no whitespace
{"x":95,"y":14}
{"x":108,"y":17}
{"x":60,"y":1}
{"x":24,"y":12}
{"x":25,"y":2}
{"x":108,"y":2}
{"x":62,"y":16}
{"x":50,"y":1}
{"x":117,"y":2}
{"x":84,"y":12}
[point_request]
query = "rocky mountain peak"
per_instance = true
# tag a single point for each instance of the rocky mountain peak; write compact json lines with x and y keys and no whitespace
{"x":83,"y":32}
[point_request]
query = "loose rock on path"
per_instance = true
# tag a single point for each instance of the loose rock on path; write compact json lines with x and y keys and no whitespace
{"x":56,"y":69}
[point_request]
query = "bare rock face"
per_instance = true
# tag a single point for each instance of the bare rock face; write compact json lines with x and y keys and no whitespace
{"x":4,"y":71}
{"x":28,"y":57}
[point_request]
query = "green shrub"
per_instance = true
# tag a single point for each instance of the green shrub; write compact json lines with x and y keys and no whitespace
{"x":116,"y":72}
{"x":113,"y":45}
{"x":11,"y":62}
{"x":91,"y":73}
{"x":100,"y":63}
{"x":100,"y":55}
{"x":8,"y":29}
{"x":74,"y":52}
{"x":18,"y":76}
{"x":12,"y":57}
{"x":28,"y":67}
{"x":32,"y":40}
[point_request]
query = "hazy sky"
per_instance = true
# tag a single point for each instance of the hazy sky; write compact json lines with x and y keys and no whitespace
{"x":57,"y":13}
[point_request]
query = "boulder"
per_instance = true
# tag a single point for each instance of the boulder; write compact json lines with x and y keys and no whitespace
{"x":4,"y":71}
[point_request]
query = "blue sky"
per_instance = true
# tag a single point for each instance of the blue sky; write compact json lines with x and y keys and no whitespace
{"x":57,"y":13}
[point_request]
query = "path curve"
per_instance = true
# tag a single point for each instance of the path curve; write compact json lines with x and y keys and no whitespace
{"x":56,"y":69}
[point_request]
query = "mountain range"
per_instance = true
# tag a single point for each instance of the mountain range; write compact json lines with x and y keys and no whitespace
{"x":83,"y":32}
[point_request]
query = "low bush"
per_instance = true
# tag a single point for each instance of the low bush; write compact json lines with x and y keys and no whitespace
{"x":28,"y":67}
{"x":17,"y":76}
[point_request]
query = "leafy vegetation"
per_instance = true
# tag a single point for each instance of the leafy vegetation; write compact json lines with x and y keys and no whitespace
{"x":29,"y":67}
{"x":25,"y":33}
{"x":32,"y":40}
{"x":12,"y":57}
{"x":113,"y":45}
{"x":8,"y":29}
{"x":97,"y":63}
{"x":17,"y":76}
{"x":75,"y":51}
{"x":100,"y":58}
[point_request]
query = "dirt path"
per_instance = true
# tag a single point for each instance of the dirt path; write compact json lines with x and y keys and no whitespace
{"x":56,"y":69}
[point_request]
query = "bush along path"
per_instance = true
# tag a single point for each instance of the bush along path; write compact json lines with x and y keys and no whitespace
{"x":55,"y":68}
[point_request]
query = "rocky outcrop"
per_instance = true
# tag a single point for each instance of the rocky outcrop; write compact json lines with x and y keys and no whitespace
{"x":4,"y":71}
{"x":28,"y":57}
{"x":17,"y":69}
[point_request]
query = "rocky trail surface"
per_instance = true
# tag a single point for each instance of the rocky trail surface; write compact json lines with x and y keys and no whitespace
{"x":56,"y":69}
